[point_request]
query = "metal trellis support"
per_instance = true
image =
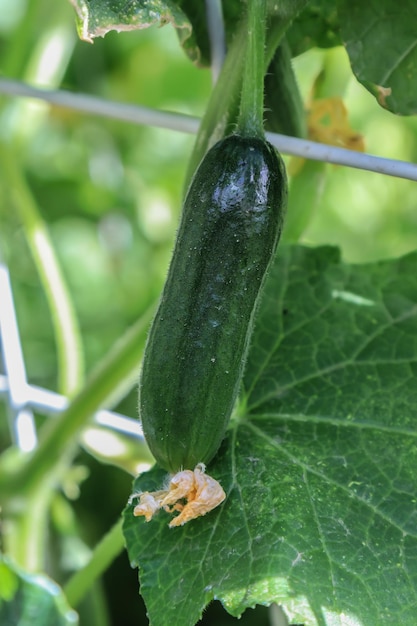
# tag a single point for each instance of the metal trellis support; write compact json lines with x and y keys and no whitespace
{"x":21,"y":397}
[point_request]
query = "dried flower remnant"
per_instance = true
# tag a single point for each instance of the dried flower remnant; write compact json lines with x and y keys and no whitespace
{"x":328,"y":123}
{"x":200,"y":492}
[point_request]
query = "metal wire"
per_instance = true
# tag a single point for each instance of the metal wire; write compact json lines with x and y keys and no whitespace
{"x":217,"y":36}
{"x":134,"y":114}
{"x":50,"y":403}
{"x":185,"y":123}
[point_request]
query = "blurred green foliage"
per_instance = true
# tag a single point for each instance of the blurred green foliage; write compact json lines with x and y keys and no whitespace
{"x":111,"y":194}
{"x":369,"y":216}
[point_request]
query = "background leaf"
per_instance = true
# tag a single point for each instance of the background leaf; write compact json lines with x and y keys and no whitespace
{"x":196,"y":13}
{"x":316,"y":26}
{"x":320,"y":467}
{"x":97,"y":17}
{"x":28,"y":599}
{"x":381,"y":39}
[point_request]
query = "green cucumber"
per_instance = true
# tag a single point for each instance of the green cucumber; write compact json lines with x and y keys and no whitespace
{"x":284,"y":107}
{"x":196,"y":349}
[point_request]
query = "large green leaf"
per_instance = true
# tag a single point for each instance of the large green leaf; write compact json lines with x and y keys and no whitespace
{"x":31,"y":599}
{"x":319,"y":466}
{"x":381,"y":39}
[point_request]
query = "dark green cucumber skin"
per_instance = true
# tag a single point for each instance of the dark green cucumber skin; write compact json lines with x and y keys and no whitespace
{"x":284,"y":107}
{"x":196,"y":349}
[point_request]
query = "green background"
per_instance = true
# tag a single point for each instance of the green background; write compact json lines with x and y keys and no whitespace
{"x":111,"y":193}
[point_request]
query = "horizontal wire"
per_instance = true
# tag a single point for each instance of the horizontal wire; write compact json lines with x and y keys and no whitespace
{"x":188,"y":124}
{"x":105,"y":108}
{"x":51,"y":403}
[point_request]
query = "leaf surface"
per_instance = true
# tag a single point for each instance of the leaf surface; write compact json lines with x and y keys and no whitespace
{"x":316,"y":26}
{"x":319,"y":464}
{"x":96,"y":18}
{"x":381,"y":39}
{"x":31,"y":599}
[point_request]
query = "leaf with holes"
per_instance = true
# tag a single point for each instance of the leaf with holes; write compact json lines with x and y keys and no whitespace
{"x":319,"y":465}
{"x":96,"y":18}
{"x":381,"y":39}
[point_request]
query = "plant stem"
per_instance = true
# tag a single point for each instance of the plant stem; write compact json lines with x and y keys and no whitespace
{"x":250,"y":120}
{"x":25,"y":529}
{"x":67,"y":335}
{"x":104,"y":553}
{"x":221,"y":111}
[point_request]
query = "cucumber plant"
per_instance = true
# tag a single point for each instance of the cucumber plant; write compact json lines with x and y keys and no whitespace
{"x":318,"y":462}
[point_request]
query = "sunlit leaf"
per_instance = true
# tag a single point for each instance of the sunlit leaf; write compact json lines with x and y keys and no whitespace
{"x":320,"y":467}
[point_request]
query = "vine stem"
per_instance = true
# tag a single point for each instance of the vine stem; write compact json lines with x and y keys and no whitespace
{"x":25,"y":529}
{"x":220,"y":112}
{"x":250,"y":121}
{"x":67,"y":334}
{"x":103,"y":555}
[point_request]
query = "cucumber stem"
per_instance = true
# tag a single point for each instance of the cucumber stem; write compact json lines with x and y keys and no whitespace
{"x":250,"y":121}
{"x":220,"y":116}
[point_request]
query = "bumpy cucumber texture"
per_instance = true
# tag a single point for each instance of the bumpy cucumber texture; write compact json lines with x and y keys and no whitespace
{"x":196,"y":349}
